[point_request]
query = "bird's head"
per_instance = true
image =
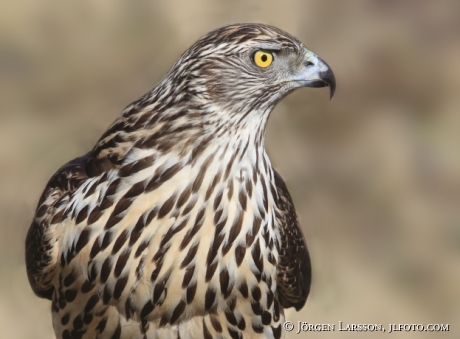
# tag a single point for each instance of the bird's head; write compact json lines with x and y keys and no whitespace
{"x":248,"y":67}
{"x":222,"y":88}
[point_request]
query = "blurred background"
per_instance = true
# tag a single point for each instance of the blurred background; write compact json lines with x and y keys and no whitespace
{"x":374,"y":173}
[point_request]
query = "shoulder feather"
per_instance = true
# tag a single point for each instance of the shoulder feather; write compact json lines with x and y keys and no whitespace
{"x":41,"y":240}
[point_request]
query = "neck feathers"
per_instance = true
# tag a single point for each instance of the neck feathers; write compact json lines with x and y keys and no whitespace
{"x":185,"y":129}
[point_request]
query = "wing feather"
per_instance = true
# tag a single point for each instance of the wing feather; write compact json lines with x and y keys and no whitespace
{"x":294,"y":266}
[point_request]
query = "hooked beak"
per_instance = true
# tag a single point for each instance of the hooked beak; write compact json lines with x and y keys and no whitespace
{"x":317,"y":73}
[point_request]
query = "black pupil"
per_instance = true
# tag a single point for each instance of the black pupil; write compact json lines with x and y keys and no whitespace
{"x":264,"y":58}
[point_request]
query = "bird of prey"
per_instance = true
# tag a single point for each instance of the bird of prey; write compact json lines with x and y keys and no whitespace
{"x":175,"y":225}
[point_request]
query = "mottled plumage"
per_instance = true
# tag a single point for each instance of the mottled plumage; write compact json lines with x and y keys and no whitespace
{"x":175,"y":225}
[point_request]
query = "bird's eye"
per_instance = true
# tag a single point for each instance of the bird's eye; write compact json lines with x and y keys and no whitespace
{"x":263,"y":59}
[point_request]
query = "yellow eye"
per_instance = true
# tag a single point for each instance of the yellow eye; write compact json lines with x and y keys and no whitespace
{"x":263,"y":59}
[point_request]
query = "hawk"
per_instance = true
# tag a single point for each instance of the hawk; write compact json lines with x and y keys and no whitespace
{"x":175,"y":225}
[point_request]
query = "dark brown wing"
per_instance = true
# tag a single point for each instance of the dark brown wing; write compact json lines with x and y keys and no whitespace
{"x":41,"y":241}
{"x":294,"y":266}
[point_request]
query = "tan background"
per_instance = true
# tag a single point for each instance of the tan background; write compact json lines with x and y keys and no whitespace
{"x":375,"y":173}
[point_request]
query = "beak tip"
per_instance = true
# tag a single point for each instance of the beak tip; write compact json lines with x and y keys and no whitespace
{"x":331,"y":91}
{"x":329,"y":79}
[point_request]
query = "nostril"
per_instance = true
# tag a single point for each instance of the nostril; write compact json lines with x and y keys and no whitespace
{"x":308,"y":63}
